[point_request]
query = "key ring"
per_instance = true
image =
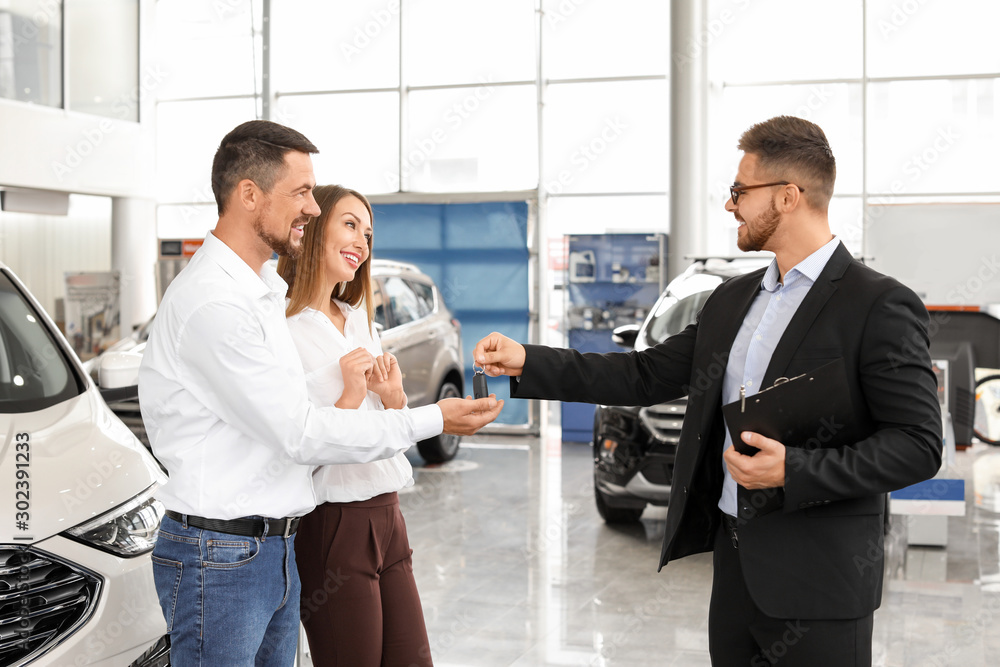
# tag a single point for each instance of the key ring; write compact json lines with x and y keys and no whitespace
{"x":479,"y":384}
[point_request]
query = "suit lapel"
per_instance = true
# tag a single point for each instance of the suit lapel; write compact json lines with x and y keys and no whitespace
{"x":821,"y":291}
{"x":731,"y":314}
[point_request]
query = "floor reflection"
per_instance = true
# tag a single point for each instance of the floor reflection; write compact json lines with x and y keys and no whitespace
{"x":515,"y":568}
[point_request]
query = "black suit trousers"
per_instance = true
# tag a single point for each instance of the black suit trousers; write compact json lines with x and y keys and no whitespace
{"x":740,"y":635}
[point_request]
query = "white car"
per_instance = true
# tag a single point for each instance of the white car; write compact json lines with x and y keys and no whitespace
{"x":77,"y":515}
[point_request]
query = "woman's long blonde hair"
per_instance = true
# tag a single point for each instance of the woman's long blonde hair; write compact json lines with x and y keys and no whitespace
{"x":305,"y":275}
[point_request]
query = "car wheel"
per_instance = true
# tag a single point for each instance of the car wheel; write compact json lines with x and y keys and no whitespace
{"x":442,"y":447}
{"x":615,"y":515}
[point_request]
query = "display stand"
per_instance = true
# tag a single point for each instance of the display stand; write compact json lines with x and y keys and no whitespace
{"x":612,"y":279}
{"x":928,"y":505}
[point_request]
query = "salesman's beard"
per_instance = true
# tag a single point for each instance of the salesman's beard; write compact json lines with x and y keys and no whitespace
{"x":757,"y":232}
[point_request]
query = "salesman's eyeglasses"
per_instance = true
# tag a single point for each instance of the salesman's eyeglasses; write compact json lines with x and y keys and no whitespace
{"x":736,"y":190}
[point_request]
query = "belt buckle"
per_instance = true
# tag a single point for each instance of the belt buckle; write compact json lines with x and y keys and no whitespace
{"x":288,"y":528}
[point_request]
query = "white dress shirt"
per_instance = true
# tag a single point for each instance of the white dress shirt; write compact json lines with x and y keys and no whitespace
{"x":321,"y":345}
{"x":223,"y":397}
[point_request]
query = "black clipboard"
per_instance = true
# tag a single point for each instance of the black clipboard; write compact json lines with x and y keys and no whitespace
{"x":803,"y":411}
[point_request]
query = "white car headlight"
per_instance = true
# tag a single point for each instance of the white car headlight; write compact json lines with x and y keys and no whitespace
{"x":128,"y":530}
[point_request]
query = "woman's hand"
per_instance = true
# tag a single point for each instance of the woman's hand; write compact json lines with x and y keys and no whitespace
{"x":357,"y":366}
{"x":386,"y":380}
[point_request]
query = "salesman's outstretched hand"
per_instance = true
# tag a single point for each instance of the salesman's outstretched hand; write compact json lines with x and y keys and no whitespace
{"x":499,"y":355}
{"x":465,"y":416}
{"x":763,"y":470}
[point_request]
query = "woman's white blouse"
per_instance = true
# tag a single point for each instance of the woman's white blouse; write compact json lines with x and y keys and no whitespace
{"x":321,"y":345}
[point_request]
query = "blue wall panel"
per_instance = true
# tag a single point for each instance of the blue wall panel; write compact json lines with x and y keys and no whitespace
{"x":478,"y":256}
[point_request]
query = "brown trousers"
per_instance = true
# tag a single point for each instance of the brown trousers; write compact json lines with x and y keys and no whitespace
{"x":359,"y":602}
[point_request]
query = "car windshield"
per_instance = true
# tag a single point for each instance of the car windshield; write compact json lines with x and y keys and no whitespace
{"x":673,"y":314}
{"x":34,"y":373}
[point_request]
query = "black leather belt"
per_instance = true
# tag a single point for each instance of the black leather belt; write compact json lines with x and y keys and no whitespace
{"x":730,"y":523}
{"x":245,"y":527}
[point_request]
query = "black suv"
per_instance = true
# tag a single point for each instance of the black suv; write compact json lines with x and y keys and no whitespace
{"x":634,"y":447}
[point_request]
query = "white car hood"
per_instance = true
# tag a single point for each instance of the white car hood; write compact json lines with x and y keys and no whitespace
{"x":83,"y":462}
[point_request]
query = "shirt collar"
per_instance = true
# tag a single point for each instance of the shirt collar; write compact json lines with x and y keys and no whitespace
{"x":346,"y":308}
{"x":809,"y":268}
{"x":257,"y":285}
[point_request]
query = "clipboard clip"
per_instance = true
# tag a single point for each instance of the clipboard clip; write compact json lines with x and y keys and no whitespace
{"x":782,"y":380}
{"x":777,"y":383}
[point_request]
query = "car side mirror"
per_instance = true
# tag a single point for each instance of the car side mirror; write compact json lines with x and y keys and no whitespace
{"x":118,"y":376}
{"x":625,"y":335}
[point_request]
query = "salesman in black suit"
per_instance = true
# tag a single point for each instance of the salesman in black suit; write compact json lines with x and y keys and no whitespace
{"x":797,"y":529}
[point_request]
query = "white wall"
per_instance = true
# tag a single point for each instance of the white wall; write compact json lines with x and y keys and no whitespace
{"x":946,"y":253}
{"x":53,"y":149}
{"x":40,"y":248}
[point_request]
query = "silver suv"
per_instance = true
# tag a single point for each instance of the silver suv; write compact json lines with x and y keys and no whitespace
{"x":415,"y":326}
{"x":420,"y":331}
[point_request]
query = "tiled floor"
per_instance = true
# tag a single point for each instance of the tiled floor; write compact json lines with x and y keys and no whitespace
{"x":516,"y":568}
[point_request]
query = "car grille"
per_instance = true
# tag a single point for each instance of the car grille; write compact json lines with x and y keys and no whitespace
{"x":664,"y":421}
{"x":42,"y":600}
{"x":657,"y":472}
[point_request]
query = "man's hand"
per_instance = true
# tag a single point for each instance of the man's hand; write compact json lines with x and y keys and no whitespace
{"x":763,"y":470}
{"x":386,"y":380}
{"x":357,"y":366}
{"x":465,"y":416}
{"x":499,"y":355}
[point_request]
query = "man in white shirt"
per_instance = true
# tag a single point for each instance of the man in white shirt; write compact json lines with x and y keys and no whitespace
{"x":224,"y":401}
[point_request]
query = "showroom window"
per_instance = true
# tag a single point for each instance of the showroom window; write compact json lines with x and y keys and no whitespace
{"x":449,"y":42}
{"x":906,"y":93}
{"x":417,"y":96}
{"x":571,"y":100}
{"x":103,"y":58}
{"x":195,"y":110}
{"x":31,"y":51}
{"x":101,"y":54}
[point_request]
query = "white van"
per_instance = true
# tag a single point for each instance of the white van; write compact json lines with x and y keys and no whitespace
{"x":77,"y":515}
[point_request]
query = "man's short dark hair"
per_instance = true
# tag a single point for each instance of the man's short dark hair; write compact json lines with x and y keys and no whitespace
{"x":255,"y":150}
{"x":794,"y":150}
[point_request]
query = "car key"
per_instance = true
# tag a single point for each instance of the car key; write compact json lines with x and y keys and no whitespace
{"x":479,"y":388}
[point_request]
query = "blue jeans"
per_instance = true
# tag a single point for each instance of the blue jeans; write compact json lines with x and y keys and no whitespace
{"x":227,"y":599}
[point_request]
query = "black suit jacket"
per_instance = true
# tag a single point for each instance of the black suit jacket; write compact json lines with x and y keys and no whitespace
{"x":820,"y":554}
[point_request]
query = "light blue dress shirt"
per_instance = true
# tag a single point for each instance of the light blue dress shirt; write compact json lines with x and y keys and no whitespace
{"x":766,"y":321}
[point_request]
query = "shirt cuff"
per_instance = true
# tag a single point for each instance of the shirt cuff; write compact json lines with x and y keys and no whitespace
{"x":427,"y":421}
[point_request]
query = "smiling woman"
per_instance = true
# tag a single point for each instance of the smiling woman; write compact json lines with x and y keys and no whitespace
{"x":331,"y":319}
{"x":314,"y":276}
